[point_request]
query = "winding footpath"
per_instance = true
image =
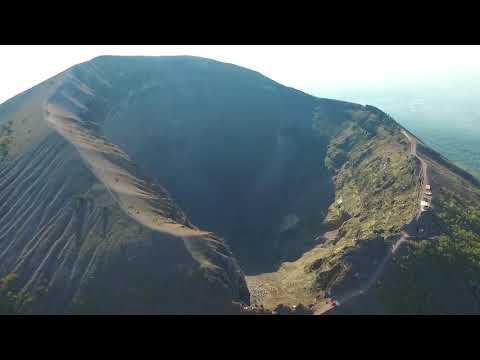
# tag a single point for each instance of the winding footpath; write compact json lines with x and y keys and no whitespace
{"x":404,"y":237}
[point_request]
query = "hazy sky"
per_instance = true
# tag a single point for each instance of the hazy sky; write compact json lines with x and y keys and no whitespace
{"x":313,"y":69}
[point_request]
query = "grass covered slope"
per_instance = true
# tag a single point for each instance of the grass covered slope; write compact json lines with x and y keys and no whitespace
{"x":440,"y":274}
{"x":375,"y":195}
{"x":375,"y":182}
{"x":437,"y":274}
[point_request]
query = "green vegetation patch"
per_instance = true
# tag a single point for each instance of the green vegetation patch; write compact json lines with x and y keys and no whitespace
{"x":10,"y":299}
{"x":440,"y":275}
{"x":376,"y":187}
{"x":6,"y":139}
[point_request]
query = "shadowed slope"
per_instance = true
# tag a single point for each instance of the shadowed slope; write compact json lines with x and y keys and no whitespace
{"x":71,"y":235}
{"x":149,"y":204}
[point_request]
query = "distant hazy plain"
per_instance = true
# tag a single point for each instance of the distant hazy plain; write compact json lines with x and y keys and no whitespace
{"x":446,"y":116}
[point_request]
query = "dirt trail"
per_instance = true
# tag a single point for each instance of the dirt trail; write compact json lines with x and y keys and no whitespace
{"x":342,"y":299}
{"x":328,"y":304}
{"x":423,"y":166}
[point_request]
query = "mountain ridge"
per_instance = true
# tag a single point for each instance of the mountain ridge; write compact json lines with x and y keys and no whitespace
{"x":262,"y":167}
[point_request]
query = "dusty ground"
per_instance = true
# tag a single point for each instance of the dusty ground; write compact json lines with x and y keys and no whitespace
{"x":290,"y":284}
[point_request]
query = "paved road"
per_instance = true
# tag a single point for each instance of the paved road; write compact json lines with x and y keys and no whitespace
{"x":328,"y":305}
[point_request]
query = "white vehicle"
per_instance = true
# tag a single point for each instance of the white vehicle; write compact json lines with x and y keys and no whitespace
{"x":424,"y":204}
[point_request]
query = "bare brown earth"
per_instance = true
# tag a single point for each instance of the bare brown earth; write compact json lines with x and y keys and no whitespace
{"x":290,"y":284}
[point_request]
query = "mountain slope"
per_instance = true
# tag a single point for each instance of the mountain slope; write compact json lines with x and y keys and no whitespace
{"x":437,"y":273}
{"x":151,"y":185}
{"x":72,"y":236}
